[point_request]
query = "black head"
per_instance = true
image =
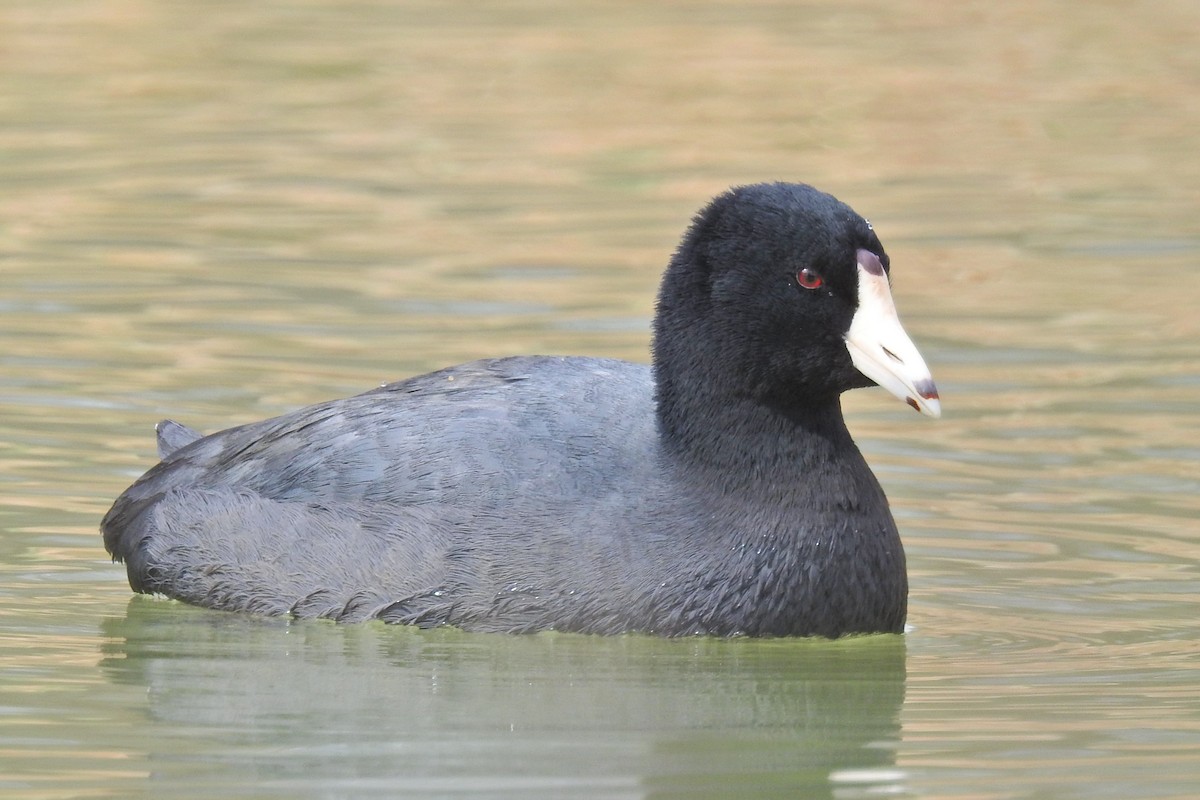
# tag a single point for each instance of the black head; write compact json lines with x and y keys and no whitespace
{"x":778,"y":297}
{"x":759,"y":296}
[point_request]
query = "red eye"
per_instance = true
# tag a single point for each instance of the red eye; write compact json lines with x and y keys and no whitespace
{"x":809,"y":279}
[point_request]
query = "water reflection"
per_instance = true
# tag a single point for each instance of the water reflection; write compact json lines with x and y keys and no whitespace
{"x":376,"y":709}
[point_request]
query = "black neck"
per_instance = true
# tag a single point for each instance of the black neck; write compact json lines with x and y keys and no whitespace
{"x":755,"y":443}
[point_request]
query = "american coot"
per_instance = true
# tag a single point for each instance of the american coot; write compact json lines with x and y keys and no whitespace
{"x":716,"y":492}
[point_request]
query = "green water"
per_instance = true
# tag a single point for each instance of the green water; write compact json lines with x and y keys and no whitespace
{"x":222,"y":211}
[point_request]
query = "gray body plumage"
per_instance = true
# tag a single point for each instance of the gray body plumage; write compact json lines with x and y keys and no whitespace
{"x":716,"y":492}
{"x":522,"y":517}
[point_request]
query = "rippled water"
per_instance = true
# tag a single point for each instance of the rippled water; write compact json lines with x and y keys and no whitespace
{"x":225,"y":211}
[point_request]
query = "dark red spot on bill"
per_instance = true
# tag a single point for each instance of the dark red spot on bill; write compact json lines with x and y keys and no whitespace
{"x":926,"y":389}
{"x":870,"y":262}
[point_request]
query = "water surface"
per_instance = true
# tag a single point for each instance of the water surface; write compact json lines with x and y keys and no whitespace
{"x":221,"y":213}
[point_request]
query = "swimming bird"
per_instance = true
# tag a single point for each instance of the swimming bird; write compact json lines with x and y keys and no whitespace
{"x":717,"y":491}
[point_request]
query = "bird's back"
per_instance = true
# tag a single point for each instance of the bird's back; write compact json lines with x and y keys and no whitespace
{"x":401,"y":503}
